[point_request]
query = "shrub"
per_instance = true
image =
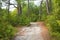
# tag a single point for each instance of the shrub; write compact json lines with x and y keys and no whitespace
{"x":6,"y":31}
{"x":13,"y":20}
{"x":55,"y":35}
{"x":33,"y":17}
{"x":54,"y":27}
{"x":24,"y":20}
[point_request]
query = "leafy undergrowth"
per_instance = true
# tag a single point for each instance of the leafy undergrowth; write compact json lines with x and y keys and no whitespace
{"x":7,"y":31}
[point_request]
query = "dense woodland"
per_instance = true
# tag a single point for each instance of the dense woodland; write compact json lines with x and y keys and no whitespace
{"x":25,"y":12}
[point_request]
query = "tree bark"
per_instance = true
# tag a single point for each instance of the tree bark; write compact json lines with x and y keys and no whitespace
{"x":8,"y":9}
{"x":50,"y":5}
{"x":47,"y":7}
{"x":8,"y":6}
{"x":0,"y":4}
{"x":28,"y":6}
{"x":40,"y":10}
{"x":19,"y":8}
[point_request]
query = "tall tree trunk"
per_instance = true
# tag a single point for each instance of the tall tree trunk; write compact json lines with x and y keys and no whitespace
{"x":8,"y":8}
{"x":47,"y":6}
{"x":19,"y":8}
{"x":28,"y":6}
{"x":40,"y":10}
{"x":0,"y":4}
{"x":50,"y":5}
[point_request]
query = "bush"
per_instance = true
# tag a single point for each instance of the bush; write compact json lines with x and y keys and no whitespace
{"x":26,"y":19}
{"x":55,"y":35}
{"x":13,"y":20}
{"x":54,"y":27}
{"x":6,"y":31}
{"x":33,"y":17}
{"x":23,"y":20}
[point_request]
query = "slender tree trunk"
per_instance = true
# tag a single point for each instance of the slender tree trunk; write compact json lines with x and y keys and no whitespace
{"x":8,"y":8}
{"x":28,"y":6}
{"x":50,"y":5}
{"x":19,"y":8}
{"x":47,"y":6}
{"x":0,"y":4}
{"x":40,"y":10}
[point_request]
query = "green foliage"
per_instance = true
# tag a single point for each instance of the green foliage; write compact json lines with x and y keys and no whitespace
{"x":6,"y":31}
{"x":24,"y":10}
{"x":55,"y":36}
{"x":23,"y":20}
{"x":53,"y":21}
{"x":33,"y":17}
{"x":54,"y":27}
{"x":13,"y":18}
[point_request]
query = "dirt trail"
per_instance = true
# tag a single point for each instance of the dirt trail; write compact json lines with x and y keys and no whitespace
{"x":45,"y":31}
{"x":34,"y":32}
